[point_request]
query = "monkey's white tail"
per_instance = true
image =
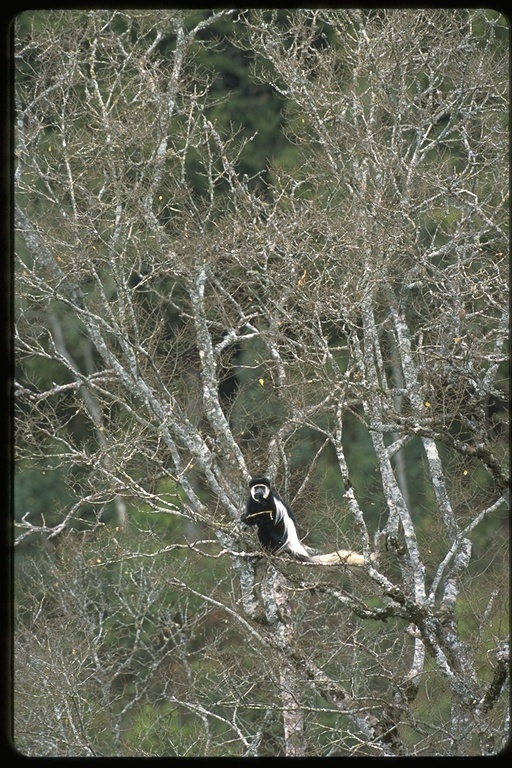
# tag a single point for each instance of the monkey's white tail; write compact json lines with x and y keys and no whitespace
{"x":341,"y":557}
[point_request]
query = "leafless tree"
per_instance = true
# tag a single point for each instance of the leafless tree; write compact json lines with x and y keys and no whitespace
{"x":365,"y":285}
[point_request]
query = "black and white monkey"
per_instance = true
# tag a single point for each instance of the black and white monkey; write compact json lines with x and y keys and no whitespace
{"x":275,"y":520}
{"x":277,"y":530}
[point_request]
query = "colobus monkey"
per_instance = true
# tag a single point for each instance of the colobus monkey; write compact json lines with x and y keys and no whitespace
{"x":277,"y":531}
{"x":275,"y":520}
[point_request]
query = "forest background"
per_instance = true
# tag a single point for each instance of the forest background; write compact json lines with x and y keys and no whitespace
{"x":277,"y":242}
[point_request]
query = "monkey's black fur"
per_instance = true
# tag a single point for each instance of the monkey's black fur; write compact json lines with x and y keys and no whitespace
{"x":275,"y":520}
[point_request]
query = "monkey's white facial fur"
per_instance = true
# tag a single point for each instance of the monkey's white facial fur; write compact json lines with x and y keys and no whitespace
{"x":260,"y":491}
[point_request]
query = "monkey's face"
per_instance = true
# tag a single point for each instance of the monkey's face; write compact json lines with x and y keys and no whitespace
{"x":259,"y":492}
